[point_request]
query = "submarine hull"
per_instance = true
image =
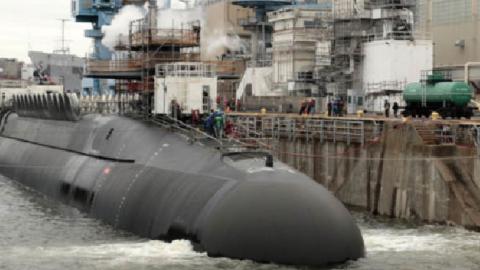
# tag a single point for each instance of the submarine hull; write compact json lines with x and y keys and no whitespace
{"x":157,"y":184}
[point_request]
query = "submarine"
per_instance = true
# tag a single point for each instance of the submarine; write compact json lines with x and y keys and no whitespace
{"x":160,"y":183}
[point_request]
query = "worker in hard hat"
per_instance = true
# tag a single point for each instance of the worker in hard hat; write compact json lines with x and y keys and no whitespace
{"x":219,"y":124}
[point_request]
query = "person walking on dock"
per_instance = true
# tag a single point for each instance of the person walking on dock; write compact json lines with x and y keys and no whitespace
{"x":176,"y":110}
{"x":329,"y":108}
{"x":395,"y":109}
{"x":311,"y":106}
{"x":341,"y":108}
{"x":219,"y":125}
{"x":303,"y":106}
{"x":386,"y":106}
{"x":209,"y":123}
{"x":335,"y":107}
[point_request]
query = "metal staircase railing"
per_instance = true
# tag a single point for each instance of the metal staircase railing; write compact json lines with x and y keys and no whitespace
{"x":225,"y":145}
{"x":189,"y":131}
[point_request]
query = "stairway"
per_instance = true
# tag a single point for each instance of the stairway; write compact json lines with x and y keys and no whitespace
{"x":426,"y":132}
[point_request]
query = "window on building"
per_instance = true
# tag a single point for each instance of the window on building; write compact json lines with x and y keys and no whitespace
{"x":451,"y":11}
{"x":360,"y":101}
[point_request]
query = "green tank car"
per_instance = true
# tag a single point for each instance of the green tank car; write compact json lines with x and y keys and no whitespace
{"x":446,"y":97}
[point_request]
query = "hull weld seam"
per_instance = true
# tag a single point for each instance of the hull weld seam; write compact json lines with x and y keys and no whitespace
{"x":119,"y":160}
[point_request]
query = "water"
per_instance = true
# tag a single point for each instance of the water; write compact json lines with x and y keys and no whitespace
{"x":39,"y":233}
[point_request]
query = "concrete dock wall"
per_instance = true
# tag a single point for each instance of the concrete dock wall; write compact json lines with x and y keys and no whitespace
{"x":396,"y":174}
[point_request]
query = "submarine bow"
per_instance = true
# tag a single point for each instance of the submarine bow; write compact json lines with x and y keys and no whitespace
{"x":157,"y":184}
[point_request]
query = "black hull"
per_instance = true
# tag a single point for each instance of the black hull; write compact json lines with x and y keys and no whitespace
{"x":154,"y":183}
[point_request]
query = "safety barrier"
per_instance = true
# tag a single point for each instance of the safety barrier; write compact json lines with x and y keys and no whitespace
{"x":110,"y":104}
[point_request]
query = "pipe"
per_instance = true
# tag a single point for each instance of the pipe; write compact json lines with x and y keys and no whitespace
{"x":467,"y":69}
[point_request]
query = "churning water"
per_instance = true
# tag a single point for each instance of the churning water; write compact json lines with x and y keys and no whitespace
{"x":39,"y":233}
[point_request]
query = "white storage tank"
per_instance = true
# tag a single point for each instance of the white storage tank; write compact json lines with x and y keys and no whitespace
{"x":389,"y":65}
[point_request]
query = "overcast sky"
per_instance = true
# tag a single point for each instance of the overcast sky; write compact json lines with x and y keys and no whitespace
{"x":33,"y":25}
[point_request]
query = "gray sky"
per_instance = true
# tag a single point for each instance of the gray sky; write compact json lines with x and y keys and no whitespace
{"x":33,"y":25}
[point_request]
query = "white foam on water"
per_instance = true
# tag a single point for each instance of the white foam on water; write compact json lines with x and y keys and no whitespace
{"x":126,"y":255}
{"x":127,"y":250}
{"x":39,"y":233}
{"x":419,"y":248}
{"x":108,"y":255}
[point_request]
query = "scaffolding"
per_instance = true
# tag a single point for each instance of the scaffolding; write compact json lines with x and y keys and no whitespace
{"x":228,"y":69}
{"x":148,"y":47}
{"x":380,"y":88}
{"x":96,"y":67}
{"x":358,"y":22}
{"x":185,"y":69}
{"x":142,"y":34}
{"x":301,"y":43}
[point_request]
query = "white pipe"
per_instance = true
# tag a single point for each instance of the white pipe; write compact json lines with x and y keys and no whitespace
{"x":467,"y":69}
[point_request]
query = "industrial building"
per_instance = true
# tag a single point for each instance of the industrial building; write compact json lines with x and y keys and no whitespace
{"x":454,"y":27}
{"x":10,"y":68}
{"x":340,"y":50}
{"x":10,"y":72}
{"x":300,"y":36}
{"x":150,"y":43}
{"x":356,"y":51}
{"x":372,"y":39}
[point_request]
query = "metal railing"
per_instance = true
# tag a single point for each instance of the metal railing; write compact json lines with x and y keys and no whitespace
{"x":225,"y":145}
{"x":179,"y":37}
{"x":228,"y":67}
{"x":372,"y":4}
{"x":433,"y":76}
{"x":189,"y":131}
{"x":259,"y":63}
{"x":261,"y":128}
{"x":385,"y":85}
{"x":446,"y":135}
{"x":101,"y":66}
{"x":185,"y":69}
{"x":118,"y":104}
{"x":137,"y":63}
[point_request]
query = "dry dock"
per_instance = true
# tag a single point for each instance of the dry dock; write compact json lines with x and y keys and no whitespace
{"x":416,"y":170}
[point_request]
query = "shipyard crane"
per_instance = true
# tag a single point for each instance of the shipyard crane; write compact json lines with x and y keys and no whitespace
{"x":99,"y":13}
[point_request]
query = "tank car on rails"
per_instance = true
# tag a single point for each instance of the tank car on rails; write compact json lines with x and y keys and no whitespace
{"x":437,"y":92}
